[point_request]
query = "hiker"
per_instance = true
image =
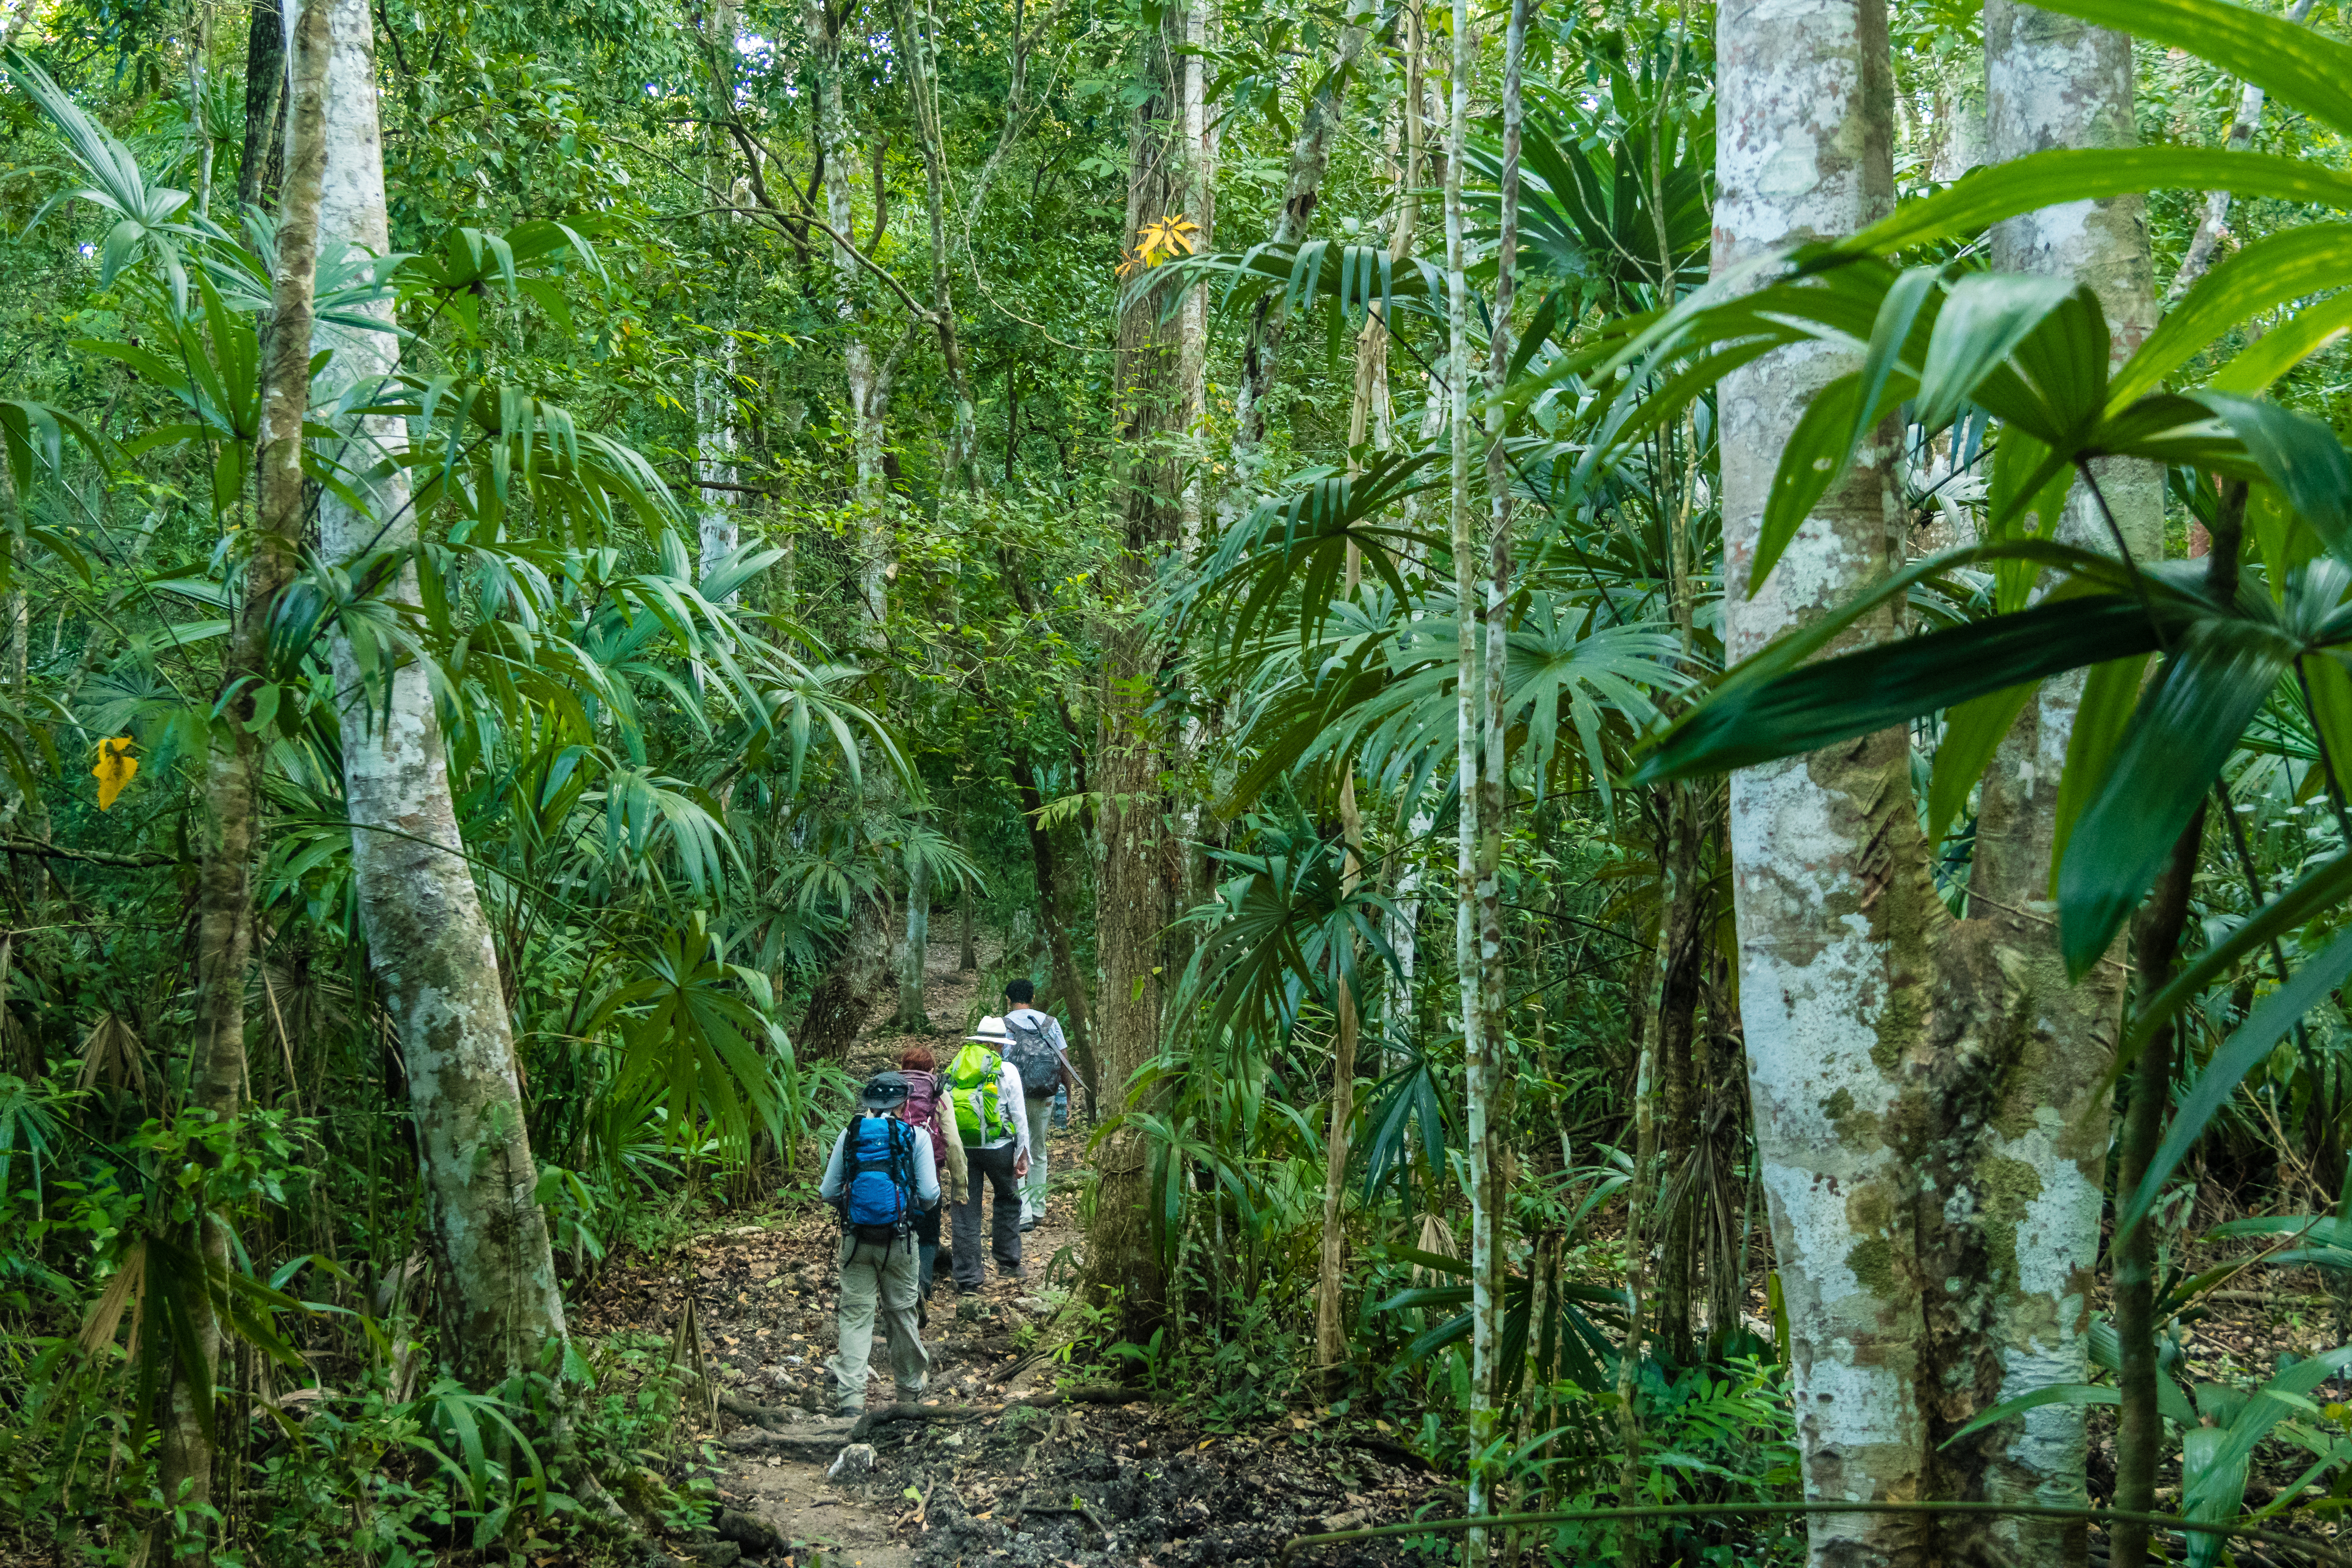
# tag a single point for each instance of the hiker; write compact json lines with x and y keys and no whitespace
{"x":995,"y":1136}
{"x":926,"y":1107}
{"x":1038,"y":1051}
{"x":881,"y":1175}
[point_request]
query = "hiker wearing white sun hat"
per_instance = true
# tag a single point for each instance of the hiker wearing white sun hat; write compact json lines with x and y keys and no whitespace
{"x":985,"y":1090}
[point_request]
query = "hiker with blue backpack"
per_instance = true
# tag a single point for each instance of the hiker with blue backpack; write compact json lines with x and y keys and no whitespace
{"x":1035,"y":1048}
{"x":985,"y":1091}
{"x":881,"y":1176}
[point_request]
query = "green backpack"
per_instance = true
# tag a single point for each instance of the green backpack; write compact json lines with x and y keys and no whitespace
{"x":973,"y":1079}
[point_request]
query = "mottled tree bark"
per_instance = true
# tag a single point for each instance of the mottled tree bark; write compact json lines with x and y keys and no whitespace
{"x":714,"y":430}
{"x":714,"y":380}
{"x":428,"y":944}
{"x":1469,"y":714}
{"x":1488,"y":1084}
{"x":2036,"y":1161}
{"x":1960,"y":135}
{"x":1825,"y":853}
{"x":265,"y":107}
{"x":1926,"y":1091}
{"x":1140,"y":865}
{"x":230,"y":822}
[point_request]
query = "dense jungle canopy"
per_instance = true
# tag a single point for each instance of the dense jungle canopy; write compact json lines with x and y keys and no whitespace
{"x":1663,"y":690}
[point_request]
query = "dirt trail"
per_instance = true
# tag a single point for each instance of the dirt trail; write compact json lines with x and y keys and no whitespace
{"x":1102,"y":1481}
{"x":787,"y":1483}
{"x":764,"y":1298}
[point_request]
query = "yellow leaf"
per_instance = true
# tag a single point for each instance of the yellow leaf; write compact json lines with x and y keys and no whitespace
{"x":116,"y":768}
{"x":1160,"y":240}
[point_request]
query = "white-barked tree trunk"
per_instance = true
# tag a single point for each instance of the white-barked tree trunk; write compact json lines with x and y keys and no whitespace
{"x":1831,"y":964}
{"x":428,"y":944}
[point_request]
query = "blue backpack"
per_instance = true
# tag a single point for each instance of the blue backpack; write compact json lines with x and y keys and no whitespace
{"x":877,"y":1177}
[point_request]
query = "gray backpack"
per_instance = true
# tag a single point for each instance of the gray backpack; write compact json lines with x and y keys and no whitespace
{"x":1032,"y":1055}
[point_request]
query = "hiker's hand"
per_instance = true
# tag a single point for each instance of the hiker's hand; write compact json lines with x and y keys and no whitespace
{"x":1020,"y":1164}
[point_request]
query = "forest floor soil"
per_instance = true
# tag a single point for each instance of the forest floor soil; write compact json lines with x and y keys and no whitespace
{"x":1086,"y":1476}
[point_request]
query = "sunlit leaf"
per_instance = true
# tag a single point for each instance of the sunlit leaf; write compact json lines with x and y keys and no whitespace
{"x":114,"y":770}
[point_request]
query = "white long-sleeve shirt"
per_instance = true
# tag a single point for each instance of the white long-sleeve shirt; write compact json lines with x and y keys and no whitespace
{"x":926,"y":1170}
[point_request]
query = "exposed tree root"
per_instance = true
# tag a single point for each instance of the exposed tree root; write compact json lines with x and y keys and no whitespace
{"x":1096,"y":1393}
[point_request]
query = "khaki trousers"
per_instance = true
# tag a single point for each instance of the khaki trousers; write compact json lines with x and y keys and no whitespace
{"x":876,"y":1275}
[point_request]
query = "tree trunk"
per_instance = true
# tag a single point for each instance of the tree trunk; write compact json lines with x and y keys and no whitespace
{"x":912,"y":968}
{"x":16,"y":609}
{"x":1200,"y":130}
{"x":1370,"y":415}
{"x":1489,"y":1083}
{"x":1138,"y":868}
{"x":1054,"y":904}
{"x":917,"y":30}
{"x":1825,"y":851}
{"x":1196,"y":133}
{"x":1683,"y":820}
{"x":1330,"y":1338}
{"x":1674,"y":1007}
{"x":1310,"y":158}
{"x":714,"y":430}
{"x":1960,"y":132}
{"x":714,"y":382}
{"x":428,"y":941}
{"x":2214,"y":222}
{"x":1397,"y":1014}
{"x":233,"y":760}
{"x":2139,"y":1436}
{"x":846,"y":998}
{"x":265,"y":107}
{"x":867,"y":380}
{"x":1727,"y":1129}
{"x":967,"y":950}
{"x":2051,"y":82}
{"x":1469,"y":714}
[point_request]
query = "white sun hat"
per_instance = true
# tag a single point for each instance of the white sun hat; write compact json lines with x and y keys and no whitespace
{"x":992,"y":1032}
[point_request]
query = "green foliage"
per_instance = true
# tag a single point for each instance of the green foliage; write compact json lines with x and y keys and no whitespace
{"x":694,"y":784}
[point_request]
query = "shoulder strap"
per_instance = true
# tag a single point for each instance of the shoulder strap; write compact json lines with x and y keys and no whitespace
{"x":902,"y":1154}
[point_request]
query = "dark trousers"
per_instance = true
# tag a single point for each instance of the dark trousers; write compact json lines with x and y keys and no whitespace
{"x":927,"y":1244}
{"x":992,"y":1170}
